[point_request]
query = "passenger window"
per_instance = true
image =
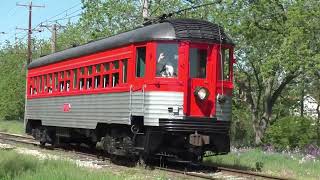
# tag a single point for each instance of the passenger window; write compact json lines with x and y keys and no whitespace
{"x":40,"y":84}
{"x":115,"y":65}
{"x":124,"y":70}
{"x":68,"y":74}
{"x":61,"y":74}
{"x":96,"y":82}
{"x":45,"y":83}
{"x":50,"y":84}
{"x":35,"y":85}
{"x":198,"y":63}
{"x":30,"y":86}
{"x":115,"y":79}
{"x":89,"y":70}
{"x":167,"y":60}
{"x":106,"y":66}
{"x":75,"y":75}
{"x":61,"y":85}
{"x":81,"y":83}
{"x":140,"y":61}
{"x":56,"y":86}
{"x":89,"y":83}
{"x":225,"y":64}
{"x":68,"y":85}
{"x":105,"y":80}
{"x":82,"y":71}
{"x":31,"y":90}
{"x":98,"y":67}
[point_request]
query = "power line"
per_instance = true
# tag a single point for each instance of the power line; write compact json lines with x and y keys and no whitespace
{"x":66,"y":10}
{"x":13,"y":32}
{"x":66,"y":18}
{"x":62,"y":12}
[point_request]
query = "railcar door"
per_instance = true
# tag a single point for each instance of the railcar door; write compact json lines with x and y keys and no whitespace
{"x":200,"y":91}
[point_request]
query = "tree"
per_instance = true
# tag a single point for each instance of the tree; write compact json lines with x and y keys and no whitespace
{"x":275,"y":47}
{"x":12,"y":83}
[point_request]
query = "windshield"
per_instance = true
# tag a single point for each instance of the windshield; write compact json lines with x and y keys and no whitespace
{"x":167,"y":60}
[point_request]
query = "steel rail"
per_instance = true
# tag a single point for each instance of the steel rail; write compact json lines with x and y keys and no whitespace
{"x":193,"y":174}
{"x":247,"y":173}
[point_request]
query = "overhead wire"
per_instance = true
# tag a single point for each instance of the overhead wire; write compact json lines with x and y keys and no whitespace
{"x":69,"y":16}
{"x":64,"y":11}
{"x":66,"y":17}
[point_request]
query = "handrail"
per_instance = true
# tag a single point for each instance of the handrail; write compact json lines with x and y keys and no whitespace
{"x":130,"y":103}
{"x":143,"y":96}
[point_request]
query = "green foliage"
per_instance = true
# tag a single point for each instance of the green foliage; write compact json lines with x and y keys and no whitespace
{"x":105,"y":18}
{"x":12,"y":84}
{"x":242,"y":133}
{"x":290,"y":132}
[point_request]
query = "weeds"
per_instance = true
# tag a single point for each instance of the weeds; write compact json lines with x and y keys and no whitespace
{"x":14,"y":166}
{"x":11,"y":126}
{"x":291,"y":165}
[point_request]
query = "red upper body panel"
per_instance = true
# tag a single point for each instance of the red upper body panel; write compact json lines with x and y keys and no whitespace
{"x":102,"y":74}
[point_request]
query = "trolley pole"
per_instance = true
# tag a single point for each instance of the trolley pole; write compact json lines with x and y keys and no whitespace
{"x":30,"y":6}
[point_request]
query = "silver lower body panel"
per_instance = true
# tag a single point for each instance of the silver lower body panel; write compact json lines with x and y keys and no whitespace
{"x":86,"y":111}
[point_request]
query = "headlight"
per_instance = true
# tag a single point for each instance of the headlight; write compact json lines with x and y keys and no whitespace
{"x":202,"y":93}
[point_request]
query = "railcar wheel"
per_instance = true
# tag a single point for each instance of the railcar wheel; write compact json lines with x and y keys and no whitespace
{"x":43,"y":137}
{"x":142,"y":161}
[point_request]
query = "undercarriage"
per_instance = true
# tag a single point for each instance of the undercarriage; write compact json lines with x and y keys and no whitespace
{"x":141,"y":142}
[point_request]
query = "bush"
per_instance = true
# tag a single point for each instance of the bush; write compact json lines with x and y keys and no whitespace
{"x":290,"y":132}
{"x":241,"y":132}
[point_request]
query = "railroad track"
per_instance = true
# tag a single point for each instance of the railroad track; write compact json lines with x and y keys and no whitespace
{"x":207,"y":172}
{"x":18,"y":138}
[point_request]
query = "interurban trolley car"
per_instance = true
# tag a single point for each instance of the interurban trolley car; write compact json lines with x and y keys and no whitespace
{"x":160,"y":90}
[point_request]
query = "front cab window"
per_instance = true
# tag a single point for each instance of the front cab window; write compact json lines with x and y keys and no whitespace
{"x":167,"y":60}
{"x":198,"y":63}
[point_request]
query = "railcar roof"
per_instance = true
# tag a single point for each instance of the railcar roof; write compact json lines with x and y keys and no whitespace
{"x":170,"y":29}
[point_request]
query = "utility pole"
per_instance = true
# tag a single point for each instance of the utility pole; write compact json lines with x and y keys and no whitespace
{"x":145,"y":10}
{"x":53,"y":29}
{"x":30,"y":6}
{"x":54,"y":38}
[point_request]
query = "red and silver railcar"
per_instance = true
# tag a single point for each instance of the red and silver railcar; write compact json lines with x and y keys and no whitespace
{"x":163,"y":89}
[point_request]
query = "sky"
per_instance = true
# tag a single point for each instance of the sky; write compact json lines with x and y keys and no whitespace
{"x":12,"y":16}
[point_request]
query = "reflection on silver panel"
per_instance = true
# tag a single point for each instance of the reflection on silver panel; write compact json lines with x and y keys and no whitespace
{"x":224,"y":110}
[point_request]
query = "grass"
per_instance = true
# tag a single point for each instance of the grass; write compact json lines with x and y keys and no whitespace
{"x":12,"y":126}
{"x":283,"y":165}
{"x":14,"y":166}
